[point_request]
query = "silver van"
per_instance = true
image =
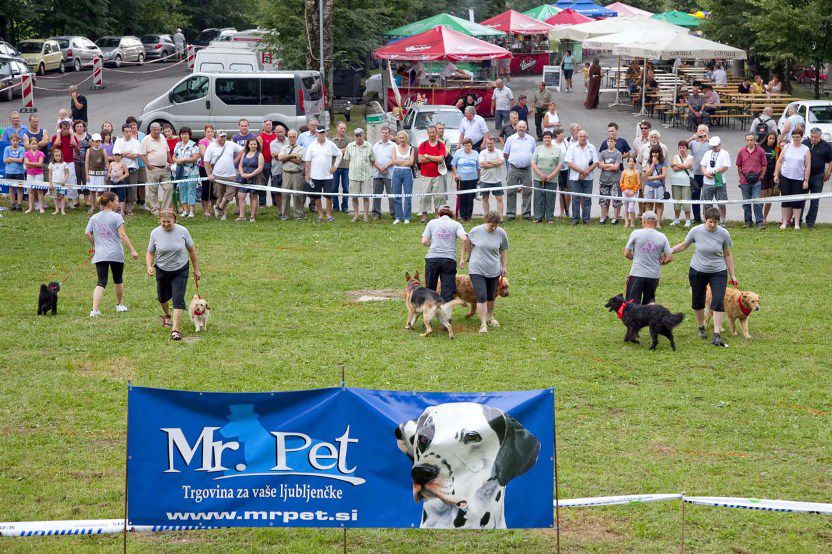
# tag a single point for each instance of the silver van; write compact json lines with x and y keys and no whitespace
{"x":222,"y":99}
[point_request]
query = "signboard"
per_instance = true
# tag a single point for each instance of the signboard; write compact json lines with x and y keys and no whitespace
{"x":340,"y":457}
{"x":552,"y":77}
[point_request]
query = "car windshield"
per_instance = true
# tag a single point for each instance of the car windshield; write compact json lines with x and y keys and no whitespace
{"x":108,"y":42}
{"x":820,"y":114}
{"x":5,"y":68}
{"x":150,"y":39}
{"x":449,"y":118}
{"x":207,"y":36}
{"x":30,"y":47}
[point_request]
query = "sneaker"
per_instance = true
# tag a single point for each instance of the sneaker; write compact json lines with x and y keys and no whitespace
{"x":703,"y":334}
{"x":191,"y":214}
{"x":407,"y":222}
{"x":396,"y":222}
{"x":224,"y":217}
{"x":493,"y":322}
{"x":95,"y":313}
{"x":121,"y":308}
{"x":602,"y":220}
{"x":354,"y":219}
{"x":217,"y":211}
{"x":614,"y":222}
{"x":483,"y":329}
{"x":687,"y":224}
{"x":674,"y":223}
{"x":717,"y":341}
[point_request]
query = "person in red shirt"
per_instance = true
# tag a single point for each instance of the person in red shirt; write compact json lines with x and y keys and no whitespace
{"x":264,"y":139}
{"x":432,"y":166}
{"x":751,"y":167}
{"x":66,"y":142}
{"x":170,"y":136}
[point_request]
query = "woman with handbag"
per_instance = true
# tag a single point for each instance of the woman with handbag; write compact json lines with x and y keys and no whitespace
{"x":185,"y":156}
{"x":681,"y":181}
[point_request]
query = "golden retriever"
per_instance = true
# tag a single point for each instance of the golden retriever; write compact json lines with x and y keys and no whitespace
{"x":199,"y":311}
{"x":465,"y":291}
{"x":738,"y":305}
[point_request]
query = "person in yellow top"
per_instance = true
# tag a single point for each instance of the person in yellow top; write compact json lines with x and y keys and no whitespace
{"x":757,"y":87}
{"x":629,"y":185}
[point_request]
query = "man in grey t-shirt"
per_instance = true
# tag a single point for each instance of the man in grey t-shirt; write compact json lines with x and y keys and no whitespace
{"x":649,"y":249}
{"x":440,"y":236}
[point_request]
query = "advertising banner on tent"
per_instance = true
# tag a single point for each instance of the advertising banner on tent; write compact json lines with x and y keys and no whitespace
{"x":340,"y":457}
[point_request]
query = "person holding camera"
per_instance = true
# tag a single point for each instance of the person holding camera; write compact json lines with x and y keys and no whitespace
{"x":714,"y":164}
{"x":751,"y":165}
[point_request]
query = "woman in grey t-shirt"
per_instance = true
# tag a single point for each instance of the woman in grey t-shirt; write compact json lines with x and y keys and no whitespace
{"x":486,"y":251}
{"x":170,"y":247}
{"x":711,"y":258}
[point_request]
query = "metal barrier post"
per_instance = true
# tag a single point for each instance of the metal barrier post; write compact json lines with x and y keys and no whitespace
{"x":27,"y":89}
{"x":97,"y":73}
{"x":191,"y":57}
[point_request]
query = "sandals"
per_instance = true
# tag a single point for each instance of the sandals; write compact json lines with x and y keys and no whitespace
{"x":175,"y":335}
{"x":166,"y":321}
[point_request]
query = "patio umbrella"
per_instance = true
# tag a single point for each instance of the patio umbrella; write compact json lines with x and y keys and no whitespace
{"x":584,"y":31}
{"x":681,"y":19}
{"x":446,"y":20}
{"x":624,"y":10}
{"x":441,"y":43}
{"x":543,"y":12}
{"x":568,"y":17}
{"x":591,"y":9}
{"x":517,"y":23}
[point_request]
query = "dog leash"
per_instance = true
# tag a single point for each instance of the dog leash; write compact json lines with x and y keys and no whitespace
{"x":80,"y":267}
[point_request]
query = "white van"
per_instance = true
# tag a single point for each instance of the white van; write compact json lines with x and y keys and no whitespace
{"x":230,"y":60}
{"x":222,"y":99}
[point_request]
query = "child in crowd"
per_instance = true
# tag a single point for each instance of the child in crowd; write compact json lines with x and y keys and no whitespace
{"x":13,"y":158}
{"x":33,"y":162}
{"x":610,"y":163}
{"x":116,"y":175}
{"x":586,"y":77}
{"x":58,"y":172}
{"x":63,"y":115}
{"x":629,"y":185}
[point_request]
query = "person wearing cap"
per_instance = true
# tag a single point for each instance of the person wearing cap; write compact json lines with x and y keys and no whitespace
{"x":220,"y":166}
{"x":95,"y":165}
{"x":714,"y":164}
{"x":156,"y":156}
{"x":321,"y":160}
{"x":359,"y":155}
{"x":128,"y":146}
{"x":441,"y":236}
{"x":179,"y":43}
{"x":648,"y":249}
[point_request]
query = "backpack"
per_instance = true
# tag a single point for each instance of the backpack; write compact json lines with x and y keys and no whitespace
{"x":762,"y":130}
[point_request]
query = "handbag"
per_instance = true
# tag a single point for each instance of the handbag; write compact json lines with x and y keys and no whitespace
{"x":751,"y":178}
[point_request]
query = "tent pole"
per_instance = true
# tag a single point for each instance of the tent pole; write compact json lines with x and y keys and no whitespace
{"x":643,"y":88}
{"x":617,"y":83}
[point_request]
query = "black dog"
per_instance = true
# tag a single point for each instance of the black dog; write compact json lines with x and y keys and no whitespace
{"x":635,"y":317}
{"x":48,"y":298}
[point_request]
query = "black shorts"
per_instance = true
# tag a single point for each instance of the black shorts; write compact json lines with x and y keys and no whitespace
{"x":486,"y":287}
{"x":319,"y":187}
{"x":101,"y":268}
{"x":172,"y":285}
{"x":567,"y":73}
{"x":698,"y":284}
{"x":641,"y":290}
{"x":207,"y":193}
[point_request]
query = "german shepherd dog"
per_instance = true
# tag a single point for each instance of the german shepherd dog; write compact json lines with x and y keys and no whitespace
{"x":422,"y":300}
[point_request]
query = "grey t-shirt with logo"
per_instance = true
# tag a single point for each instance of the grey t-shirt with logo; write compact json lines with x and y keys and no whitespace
{"x":647,"y":246}
{"x":709,"y":256}
{"x":170,"y":247}
{"x":485,"y":256}
{"x":104,"y":228}
{"x":443,"y":233}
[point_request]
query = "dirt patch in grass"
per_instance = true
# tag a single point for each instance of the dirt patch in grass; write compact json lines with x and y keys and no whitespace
{"x":191,"y":339}
{"x":584,"y":526}
{"x":374,"y":295}
{"x":119,"y":369}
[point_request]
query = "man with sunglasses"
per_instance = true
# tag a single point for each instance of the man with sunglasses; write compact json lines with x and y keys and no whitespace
{"x":715,"y":163}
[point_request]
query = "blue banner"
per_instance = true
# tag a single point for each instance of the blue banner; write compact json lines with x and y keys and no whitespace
{"x":340,"y":457}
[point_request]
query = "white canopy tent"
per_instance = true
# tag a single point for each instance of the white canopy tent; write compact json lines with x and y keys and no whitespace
{"x":583,"y":31}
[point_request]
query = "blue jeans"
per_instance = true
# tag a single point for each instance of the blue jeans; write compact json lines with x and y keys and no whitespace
{"x":342,"y":176}
{"x":581,"y":205}
{"x":751,"y":192}
{"x":402,"y":184}
{"x":500,"y":119}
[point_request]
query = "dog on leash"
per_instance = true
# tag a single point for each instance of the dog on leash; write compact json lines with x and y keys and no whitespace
{"x":48,"y":298}
{"x":422,"y":300}
{"x":636,"y":316}
{"x":200,"y":312}
{"x":738,"y":305}
{"x":465,"y":291}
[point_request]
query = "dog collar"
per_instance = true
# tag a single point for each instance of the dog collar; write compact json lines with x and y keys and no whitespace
{"x":411,"y":287}
{"x":745,"y":311}
{"x":620,"y":310}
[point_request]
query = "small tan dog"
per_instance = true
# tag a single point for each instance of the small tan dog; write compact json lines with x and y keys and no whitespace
{"x":738,"y":305}
{"x":200,"y":311}
{"x":465,"y":291}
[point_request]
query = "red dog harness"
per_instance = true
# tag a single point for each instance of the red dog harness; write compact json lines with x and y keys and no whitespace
{"x":620,"y":310}
{"x":745,"y":311}
{"x":411,"y":287}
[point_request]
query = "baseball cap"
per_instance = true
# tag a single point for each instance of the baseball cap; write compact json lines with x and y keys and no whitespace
{"x":222,"y":134}
{"x":650,"y":214}
{"x":96,"y":136}
{"x":358,"y":131}
{"x":320,"y":129}
{"x":126,"y":127}
{"x":714,"y":141}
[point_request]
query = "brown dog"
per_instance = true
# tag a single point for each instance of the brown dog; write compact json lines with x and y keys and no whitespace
{"x":422,"y":300}
{"x":738,"y":305}
{"x":465,"y":291}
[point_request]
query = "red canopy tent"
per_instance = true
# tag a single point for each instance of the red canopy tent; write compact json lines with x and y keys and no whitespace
{"x":517,"y":23}
{"x":568,"y":17}
{"x":441,"y":43}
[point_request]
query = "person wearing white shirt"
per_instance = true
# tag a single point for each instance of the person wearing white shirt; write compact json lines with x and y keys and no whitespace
{"x":473,"y":126}
{"x":275,"y":146}
{"x":220,"y":165}
{"x":492,"y":174}
{"x":582,"y":159}
{"x":502,"y":99}
{"x":518,"y":151}
{"x":383,"y":152}
{"x":322,"y":158}
{"x":130,"y":149}
{"x":719,"y":77}
{"x":715,"y":163}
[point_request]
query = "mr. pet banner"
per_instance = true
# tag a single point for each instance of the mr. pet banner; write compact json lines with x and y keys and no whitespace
{"x":340,"y":457}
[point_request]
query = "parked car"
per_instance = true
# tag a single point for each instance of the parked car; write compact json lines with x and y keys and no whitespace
{"x":221,"y":99}
{"x":42,"y":55}
{"x":420,"y":117}
{"x":7,"y":49}
{"x":816,"y":113}
{"x":158,"y":46}
{"x":117,"y":50}
{"x":12,"y":70}
{"x":78,"y":51}
{"x":207,"y":35}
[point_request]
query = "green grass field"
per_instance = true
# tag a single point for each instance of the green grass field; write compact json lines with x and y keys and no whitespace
{"x":752,"y":420}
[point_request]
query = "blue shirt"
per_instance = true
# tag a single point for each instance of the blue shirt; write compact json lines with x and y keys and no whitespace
{"x":7,"y":132}
{"x":14,"y":168}
{"x":520,"y":150}
{"x":522,"y":112}
{"x":467,"y":165}
{"x":139,"y":159}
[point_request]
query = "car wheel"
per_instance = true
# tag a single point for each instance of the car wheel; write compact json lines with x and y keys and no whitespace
{"x":117,"y":61}
{"x":141,"y":59}
{"x":61,"y":67}
{"x":41,"y":69}
{"x":76,"y":65}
